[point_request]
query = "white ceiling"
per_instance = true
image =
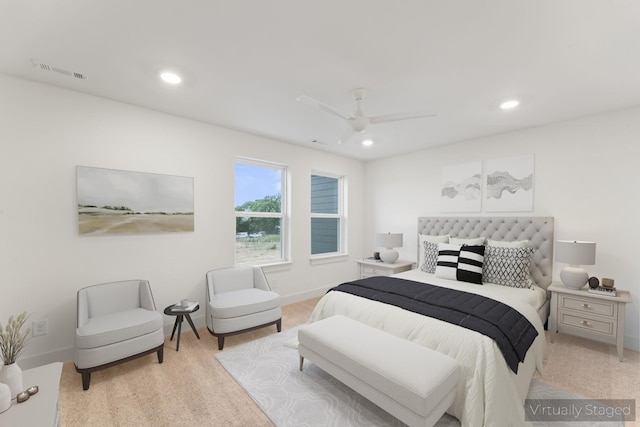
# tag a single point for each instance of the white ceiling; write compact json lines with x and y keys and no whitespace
{"x":244,"y":62}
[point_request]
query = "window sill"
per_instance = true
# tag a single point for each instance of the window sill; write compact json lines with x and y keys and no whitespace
{"x":278,"y":266}
{"x":327,"y":259}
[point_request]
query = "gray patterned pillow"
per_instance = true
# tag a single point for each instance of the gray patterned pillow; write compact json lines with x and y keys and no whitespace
{"x":430,"y":257}
{"x":507,"y":266}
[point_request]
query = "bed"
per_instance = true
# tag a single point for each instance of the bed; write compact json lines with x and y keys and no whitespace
{"x":489,"y":392}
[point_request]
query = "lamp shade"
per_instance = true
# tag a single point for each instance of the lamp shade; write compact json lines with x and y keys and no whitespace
{"x":575,"y":252}
{"x":389,"y":240}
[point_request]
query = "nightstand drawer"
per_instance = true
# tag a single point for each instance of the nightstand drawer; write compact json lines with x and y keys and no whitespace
{"x":601,"y":308}
{"x":373,"y":271}
{"x":601,"y":326}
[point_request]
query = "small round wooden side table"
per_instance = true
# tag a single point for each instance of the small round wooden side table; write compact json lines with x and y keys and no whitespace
{"x":181,"y":313}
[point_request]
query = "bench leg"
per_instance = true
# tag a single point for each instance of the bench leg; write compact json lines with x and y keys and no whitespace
{"x":301,"y":361}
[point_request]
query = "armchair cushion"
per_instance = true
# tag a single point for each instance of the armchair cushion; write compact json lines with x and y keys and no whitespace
{"x":243,"y":302}
{"x":115,"y":327}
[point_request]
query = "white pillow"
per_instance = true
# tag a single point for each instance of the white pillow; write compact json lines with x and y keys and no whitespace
{"x":469,"y":242}
{"x":431,"y":255}
{"x":503,"y":244}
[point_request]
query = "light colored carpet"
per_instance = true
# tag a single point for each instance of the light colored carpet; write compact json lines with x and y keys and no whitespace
{"x":268,"y":371}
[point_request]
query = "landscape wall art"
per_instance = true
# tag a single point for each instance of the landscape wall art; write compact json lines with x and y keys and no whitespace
{"x":125,"y":202}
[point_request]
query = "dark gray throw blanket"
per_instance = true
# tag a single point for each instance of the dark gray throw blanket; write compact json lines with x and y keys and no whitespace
{"x":512,"y":332}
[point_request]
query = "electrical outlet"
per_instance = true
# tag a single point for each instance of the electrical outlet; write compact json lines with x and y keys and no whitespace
{"x":40,"y":327}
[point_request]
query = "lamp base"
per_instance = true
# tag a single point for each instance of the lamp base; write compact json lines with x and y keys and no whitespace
{"x":389,"y":256}
{"x":574,"y":277}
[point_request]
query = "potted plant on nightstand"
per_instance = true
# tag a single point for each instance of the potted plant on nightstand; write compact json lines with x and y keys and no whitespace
{"x":12,"y":342}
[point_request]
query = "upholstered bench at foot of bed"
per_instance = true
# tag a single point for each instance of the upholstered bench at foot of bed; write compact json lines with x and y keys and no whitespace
{"x":413,"y":383}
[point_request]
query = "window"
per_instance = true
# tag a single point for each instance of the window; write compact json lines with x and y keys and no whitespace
{"x":327,"y":215}
{"x":260,"y":201}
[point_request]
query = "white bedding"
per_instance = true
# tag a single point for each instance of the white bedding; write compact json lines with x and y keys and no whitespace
{"x":488,"y":393}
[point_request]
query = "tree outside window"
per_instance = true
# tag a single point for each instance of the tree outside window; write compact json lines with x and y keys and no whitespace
{"x":259,"y":210}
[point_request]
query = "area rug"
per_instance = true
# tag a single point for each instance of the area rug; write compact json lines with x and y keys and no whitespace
{"x":268,"y":370}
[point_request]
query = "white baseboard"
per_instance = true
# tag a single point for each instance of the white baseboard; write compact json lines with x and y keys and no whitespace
{"x":62,"y":355}
{"x":291,"y":299}
{"x":632,"y":343}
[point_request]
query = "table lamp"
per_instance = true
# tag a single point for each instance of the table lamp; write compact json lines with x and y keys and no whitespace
{"x":389,"y":241}
{"x":575,"y":253}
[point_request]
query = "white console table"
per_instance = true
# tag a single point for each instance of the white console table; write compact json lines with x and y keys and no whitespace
{"x":42,"y":409}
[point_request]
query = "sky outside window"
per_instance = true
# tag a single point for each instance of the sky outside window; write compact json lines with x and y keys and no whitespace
{"x":256,"y":182}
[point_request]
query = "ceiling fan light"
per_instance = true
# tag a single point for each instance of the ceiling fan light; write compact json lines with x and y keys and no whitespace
{"x":358,"y":124}
{"x":508,"y":105}
{"x":367,"y":142}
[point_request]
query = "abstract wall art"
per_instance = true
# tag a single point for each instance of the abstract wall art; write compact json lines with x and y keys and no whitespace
{"x":124,"y":202}
{"x":509,"y":184}
{"x":461,"y":189}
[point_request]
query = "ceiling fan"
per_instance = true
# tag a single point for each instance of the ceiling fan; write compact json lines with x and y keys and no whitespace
{"x":358,"y":122}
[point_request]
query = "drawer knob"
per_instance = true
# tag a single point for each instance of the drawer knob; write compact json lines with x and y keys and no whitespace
{"x":585,"y":323}
{"x":586,"y":305}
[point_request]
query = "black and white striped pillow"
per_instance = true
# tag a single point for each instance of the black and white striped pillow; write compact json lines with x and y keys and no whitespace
{"x":463,"y":263}
{"x":447,"y":263}
{"x":470,"y":263}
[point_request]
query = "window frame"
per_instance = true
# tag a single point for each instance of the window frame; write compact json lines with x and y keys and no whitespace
{"x":341,"y":215}
{"x":282,"y":215}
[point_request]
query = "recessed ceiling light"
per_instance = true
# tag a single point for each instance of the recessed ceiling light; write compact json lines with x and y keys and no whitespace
{"x":508,"y":105}
{"x":367,"y":142}
{"x":170,"y":77}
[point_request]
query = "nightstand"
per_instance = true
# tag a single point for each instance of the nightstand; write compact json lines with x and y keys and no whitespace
{"x":588,"y":315}
{"x":370,"y":269}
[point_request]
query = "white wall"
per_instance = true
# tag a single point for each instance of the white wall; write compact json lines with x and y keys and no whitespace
{"x":45,"y":132}
{"x":586,"y":176}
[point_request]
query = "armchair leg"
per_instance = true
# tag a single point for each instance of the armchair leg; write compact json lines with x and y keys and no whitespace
{"x":161,"y":354}
{"x":86,"y":378}
{"x":279,"y":325}
{"x":220,"y":342}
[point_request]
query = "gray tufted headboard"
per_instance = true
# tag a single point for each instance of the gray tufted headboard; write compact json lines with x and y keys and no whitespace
{"x":538,"y":230}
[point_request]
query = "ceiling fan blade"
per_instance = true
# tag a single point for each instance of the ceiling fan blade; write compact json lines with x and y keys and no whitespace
{"x":346,"y":136}
{"x":307,"y":100}
{"x":400,"y":116}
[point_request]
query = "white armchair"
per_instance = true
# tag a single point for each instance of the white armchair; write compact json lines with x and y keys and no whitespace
{"x":240,"y":299}
{"x":116,"y":322}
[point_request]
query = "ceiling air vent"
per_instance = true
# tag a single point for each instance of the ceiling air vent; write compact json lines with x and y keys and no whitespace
{"x":48,"y":67}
